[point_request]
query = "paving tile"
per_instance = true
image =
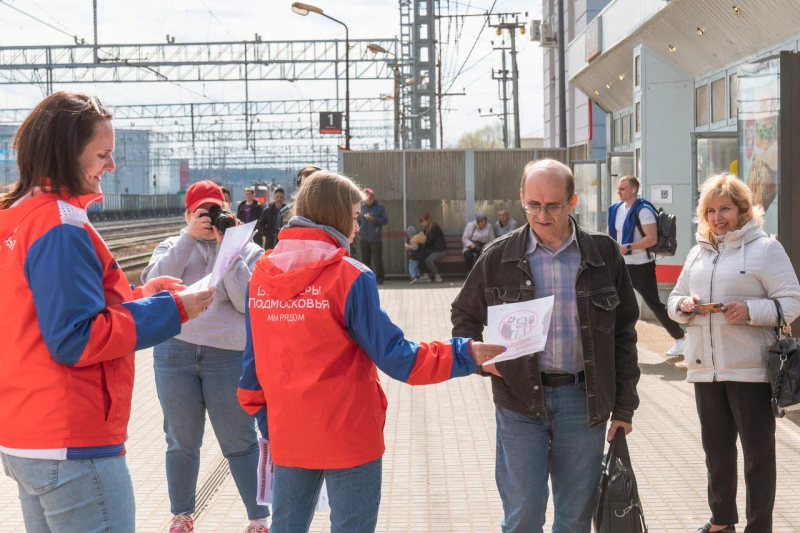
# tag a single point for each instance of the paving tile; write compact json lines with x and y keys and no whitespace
{"x":438,"y":470}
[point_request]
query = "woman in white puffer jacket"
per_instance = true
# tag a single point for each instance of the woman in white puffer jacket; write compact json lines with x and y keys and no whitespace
{"x":737,"y":264}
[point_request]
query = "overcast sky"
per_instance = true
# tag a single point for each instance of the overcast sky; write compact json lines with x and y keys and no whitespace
{"x":149,"y":21}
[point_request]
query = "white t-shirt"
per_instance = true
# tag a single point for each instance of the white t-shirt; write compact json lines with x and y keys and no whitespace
{"x":636,"y":257}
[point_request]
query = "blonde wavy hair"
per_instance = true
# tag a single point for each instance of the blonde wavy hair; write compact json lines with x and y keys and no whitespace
{"x":327,"y":198}
{"x":726,"y":185}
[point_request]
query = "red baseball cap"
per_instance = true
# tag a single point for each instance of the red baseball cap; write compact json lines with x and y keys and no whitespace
{"x":369,"y":192}
{"x":203,"y":192}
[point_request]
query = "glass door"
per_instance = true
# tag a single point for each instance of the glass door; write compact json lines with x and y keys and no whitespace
{"x":589,"y":211}
{"x":618,"y":164}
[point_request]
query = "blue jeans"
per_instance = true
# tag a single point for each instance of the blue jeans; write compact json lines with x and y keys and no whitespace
{"x":90,"y":496}
{"x":413,"y":268}
{"x":191,"y":379}
{"x":354,"y":495}
{"x":560,"y":447}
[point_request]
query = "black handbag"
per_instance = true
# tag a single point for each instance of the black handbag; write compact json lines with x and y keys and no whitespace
{"x":783,"y":365}
{"x":617,"y":507}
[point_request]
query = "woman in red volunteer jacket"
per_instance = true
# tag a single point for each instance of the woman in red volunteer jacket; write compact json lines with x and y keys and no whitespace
{"x":316,"y":335}
{"x":71,"y":323}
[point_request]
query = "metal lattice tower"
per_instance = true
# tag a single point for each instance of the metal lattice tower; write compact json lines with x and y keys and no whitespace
{"x":418,"y":60}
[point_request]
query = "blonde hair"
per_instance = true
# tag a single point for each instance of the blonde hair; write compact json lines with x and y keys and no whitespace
{"x":327,"y":198}
{"x":633,"y":181}
{"x":726,"y":185}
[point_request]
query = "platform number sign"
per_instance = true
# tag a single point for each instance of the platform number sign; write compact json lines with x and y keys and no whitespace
{"x":330,"y":122}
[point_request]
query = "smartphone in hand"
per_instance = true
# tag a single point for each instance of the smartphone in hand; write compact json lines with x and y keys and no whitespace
{"x":708,"y":308}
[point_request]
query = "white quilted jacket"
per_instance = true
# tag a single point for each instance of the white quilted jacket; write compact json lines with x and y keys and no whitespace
{"x":748,"y":267}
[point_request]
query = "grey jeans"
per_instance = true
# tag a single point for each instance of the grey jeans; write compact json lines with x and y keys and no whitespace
{"x":432,"y":259}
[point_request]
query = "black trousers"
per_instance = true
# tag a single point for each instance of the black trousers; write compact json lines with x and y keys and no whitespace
{"x":728,"y":409}
{"x":370,"y":251}
{"x":643,"y":278}
{"x":471,"y":255}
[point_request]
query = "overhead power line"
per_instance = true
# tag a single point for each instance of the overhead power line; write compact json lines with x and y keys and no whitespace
{"x":37,"y":19}
{"x":485,"y":22}
{"x":217,"y":19}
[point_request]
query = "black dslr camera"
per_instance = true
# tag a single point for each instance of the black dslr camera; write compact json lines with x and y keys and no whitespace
{"x":220,"y":218}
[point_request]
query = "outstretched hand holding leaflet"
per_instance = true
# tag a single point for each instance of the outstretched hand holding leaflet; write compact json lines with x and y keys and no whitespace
{"x":520,"y":327}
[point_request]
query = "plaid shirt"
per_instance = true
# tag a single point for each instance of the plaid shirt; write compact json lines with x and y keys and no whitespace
{"x":554,"y":274}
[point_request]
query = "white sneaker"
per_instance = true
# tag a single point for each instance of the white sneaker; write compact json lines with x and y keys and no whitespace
{"x":438,"y":278}
{"x":677,"y":348}
{"x":425,"y":278}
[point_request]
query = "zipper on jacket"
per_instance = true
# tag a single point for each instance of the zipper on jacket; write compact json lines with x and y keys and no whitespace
{"x":711,"y":315}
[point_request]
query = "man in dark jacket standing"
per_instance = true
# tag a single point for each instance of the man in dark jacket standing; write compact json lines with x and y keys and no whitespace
{"x":250,"y":211}
{"x":266,"y":224}
{"x":552,"y":407}
{"x":373,"y":218}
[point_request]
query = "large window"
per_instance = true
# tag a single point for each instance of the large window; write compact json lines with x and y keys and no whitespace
{"x":718,"y":101}
{"x":733,"y":94}
{"x":618,"y":132}
{"x":638,"y":70}
{"x":638,"y":117}
{"x":701,"y":106}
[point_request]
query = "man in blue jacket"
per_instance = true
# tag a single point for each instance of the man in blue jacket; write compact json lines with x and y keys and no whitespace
{"x":373,"y":218}
{"x":623,"y":228}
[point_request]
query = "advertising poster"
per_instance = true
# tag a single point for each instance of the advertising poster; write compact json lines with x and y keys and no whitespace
{"x":758,"y":122}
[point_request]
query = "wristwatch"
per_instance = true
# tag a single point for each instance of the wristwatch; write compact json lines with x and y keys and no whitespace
{"x":629,"y":247}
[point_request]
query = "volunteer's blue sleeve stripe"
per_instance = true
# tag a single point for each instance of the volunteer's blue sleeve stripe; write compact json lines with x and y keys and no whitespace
{"x":66,"y":279}
{"x":249,"y":379}
{"x":463,"y":363}
{"x":95,"y":452}
{"x":157,"y":319}
{"x":373,"y":330}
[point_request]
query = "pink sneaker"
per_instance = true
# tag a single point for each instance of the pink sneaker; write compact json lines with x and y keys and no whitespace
{"x":182,"y":523}
{"x":256,"y":528}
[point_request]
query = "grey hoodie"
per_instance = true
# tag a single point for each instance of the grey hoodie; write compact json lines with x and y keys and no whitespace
{"x":190,"y":259}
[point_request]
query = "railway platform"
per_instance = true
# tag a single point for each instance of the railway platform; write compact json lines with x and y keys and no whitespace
{"x":440,"y":447}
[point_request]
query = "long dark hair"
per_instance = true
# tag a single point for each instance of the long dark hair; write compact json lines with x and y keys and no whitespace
{"x":50,"y":141}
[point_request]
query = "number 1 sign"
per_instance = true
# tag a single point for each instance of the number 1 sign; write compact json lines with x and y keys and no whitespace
{"x":330,"y":122}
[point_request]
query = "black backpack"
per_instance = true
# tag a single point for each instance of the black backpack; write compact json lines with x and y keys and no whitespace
{"x":617,"y":507}
{"x":667,"y":233}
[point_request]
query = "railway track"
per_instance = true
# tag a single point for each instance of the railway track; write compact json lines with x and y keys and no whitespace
{"x":137,"y":238}
{"x":134,"y":262}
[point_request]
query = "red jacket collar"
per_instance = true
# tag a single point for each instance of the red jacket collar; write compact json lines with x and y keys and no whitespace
{"x":308,"y":234}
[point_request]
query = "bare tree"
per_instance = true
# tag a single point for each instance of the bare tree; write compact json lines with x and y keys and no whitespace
{"x":486,"y":137}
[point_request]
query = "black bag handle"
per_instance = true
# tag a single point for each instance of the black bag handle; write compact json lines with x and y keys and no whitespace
{"x":781,"y":328}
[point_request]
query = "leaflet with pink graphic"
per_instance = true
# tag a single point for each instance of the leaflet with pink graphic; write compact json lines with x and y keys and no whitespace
{"x":521,"y":327}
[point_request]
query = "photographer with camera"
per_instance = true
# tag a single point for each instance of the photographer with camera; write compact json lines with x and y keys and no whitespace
{"x":199,"y":369}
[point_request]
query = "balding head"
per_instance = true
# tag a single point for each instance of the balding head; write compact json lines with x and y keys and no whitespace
{"x":549,"y":169}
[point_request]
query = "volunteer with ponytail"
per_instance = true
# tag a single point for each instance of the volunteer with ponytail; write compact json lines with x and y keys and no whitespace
{"x":316,"y":336}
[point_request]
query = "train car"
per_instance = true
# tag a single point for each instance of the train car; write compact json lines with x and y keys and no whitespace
{"x":262,"y":190}
{"x":115,"y":206}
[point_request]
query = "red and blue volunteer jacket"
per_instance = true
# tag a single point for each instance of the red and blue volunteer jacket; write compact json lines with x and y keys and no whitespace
{"x":70,"y":325}
{"x":315,"y":333}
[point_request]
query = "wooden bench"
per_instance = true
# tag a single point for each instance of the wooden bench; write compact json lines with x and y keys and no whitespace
{"x":453,"y":263}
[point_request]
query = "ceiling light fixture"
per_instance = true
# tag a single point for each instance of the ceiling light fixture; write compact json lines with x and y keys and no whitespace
{"x":672,"y":48}
{"x":700,"y":31}
{"x":621,"y":77}
{"x":608,"y":86}
{"x":596,"y":93}
{"x":736,"y":10}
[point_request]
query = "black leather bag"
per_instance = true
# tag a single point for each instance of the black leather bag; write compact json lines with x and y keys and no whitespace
{"x":618,"y":508}
{"x":783,"y":365}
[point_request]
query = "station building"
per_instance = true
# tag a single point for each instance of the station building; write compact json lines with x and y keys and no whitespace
{"x":690,"y":88}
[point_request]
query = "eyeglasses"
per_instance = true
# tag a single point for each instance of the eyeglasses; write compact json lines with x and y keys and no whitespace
{"x":552,"y":209}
